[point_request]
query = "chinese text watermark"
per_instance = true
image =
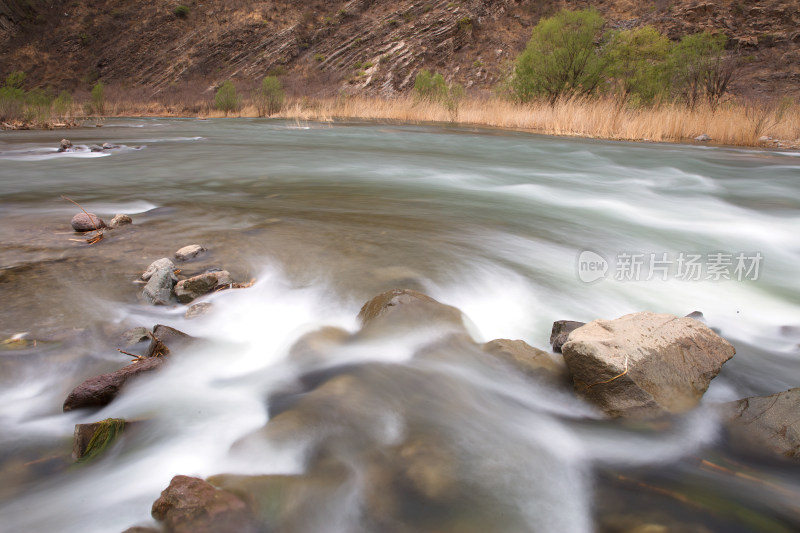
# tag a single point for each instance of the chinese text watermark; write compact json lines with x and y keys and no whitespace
{"x":682,"y":266}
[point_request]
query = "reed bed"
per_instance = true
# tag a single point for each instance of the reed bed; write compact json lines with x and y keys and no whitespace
{"x":731,"y":123}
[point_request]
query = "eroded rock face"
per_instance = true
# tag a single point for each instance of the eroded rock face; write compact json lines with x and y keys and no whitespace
{"x":767,"y":423}
{"x":188,"y":289}
{"x":191,"y":505}
{"x":87,"y":222}
{"x":100,"y":390}
{"x":645,"y":365}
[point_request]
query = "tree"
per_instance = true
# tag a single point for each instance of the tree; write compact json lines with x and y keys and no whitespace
{"x":269,"y":97}
{"x":701,"y":67}
{"x":431,"y":87}
{"x":226,"y":99}
{"x":98,"y":98}
{"x":562,"y":57}
{"x":637,"y":60}
{"x":12,"y":97}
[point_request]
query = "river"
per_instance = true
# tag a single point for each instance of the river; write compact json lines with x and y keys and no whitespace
{"x":516,"y":230}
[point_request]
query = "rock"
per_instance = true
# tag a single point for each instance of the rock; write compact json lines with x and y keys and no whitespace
{"x":64,"y":145}
{"x":317,"y":346}
{"x":645,"y":364}
{"x":764,"y":138}
{"x":90,"y":440}
{"x":95,"y":148}
{"x":158,"y":290}
{"x":188,"y":289}
{"x":191,"y":505}
{"x":406,"y":306}
{"x":188,"y":252}
{"x":84,"y":222}
{"x":766,"y":424}
{"x":702,"y":138}
{"x":198,"y":310}
{"x":697,"y":315}
{"x":531,"y":361}
{"x":120,"y":220}
{"x":157,"y":265}
{"x":134,"y":336}
{"x":109,"y":146}
{"x":560,"y":332}
{"x":101,"y":390}
{"x":169,"y":338}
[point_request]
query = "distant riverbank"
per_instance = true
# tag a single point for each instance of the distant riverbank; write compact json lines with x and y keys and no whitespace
{"x":764,"y":124}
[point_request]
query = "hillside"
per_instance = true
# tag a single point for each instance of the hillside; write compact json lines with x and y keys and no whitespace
{"x":357,"y":46}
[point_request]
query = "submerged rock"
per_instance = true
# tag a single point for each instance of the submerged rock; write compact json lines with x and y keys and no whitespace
{"x":188,"y":289}
{"x":101,"y":390}
{"x":645,"y":364}
{"x":198,"y":310}
{"x":87,"y":222}
{"x":531,"y":361}
{"x":120,"y":220}
{"x":90,"y":440}
{"x":767,"y":423}
{"x":95,"y":148}
{"x":406,"y":306}
{"x":189,"y":252}
{"x":191,"y":505}
{"x":560,"y":332}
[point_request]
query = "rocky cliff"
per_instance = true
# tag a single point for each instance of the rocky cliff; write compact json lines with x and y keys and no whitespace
{"x":370,"y":46}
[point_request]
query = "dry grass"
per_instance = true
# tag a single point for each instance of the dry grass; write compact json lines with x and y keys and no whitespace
{"x":733,"y":123}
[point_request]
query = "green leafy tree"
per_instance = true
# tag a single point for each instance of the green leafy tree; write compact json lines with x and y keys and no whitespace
{"x":562,"y":57}
{"x":12,"y":97}
{"x":98,"y":99}
{"x":637,"y":60}
{"x":226,"y":98}
{"x":269,"y":97}
{"x":38,"y":103}
{"x":62,"y":105}
{"x":701,"y":68}
{"x":432,"y":87}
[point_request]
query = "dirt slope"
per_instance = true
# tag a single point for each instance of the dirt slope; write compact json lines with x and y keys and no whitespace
{"x":372,"y":46}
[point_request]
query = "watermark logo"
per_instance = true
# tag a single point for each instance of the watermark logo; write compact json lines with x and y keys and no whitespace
{"x":682,"y":266}
{"x":591,"y":266}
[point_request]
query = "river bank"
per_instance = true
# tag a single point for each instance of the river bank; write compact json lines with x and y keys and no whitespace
{"x":753,"y":124}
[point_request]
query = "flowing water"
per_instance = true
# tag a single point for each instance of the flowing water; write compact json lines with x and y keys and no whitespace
{"x":508,"y":227}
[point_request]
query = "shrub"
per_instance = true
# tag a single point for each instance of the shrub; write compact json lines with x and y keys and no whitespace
{"x":431,"y":87}
{"x":38,"y":103}
{"x":701,"y":67}
{"x":269,"y":97}
{"x":637,"y":62}
{"x":98,"y":99}
{"x":62,"y":105}
{"x":181,"y":11}
{"x":226,"y":99}
{"x":12,"y":97}
{"x":562,"y":57}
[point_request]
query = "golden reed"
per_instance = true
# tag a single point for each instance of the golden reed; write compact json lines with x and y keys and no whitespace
{"x":731,"y":123}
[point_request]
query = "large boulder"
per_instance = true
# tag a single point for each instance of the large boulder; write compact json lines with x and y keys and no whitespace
{"x":191,"y":505}
{"x":101,"y":390}
{"x":87,"y":222}
{"x":645,"y":364}
{"x":188,"y":289}
{"x":767,"y":423}
{"x":560,"y":332}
